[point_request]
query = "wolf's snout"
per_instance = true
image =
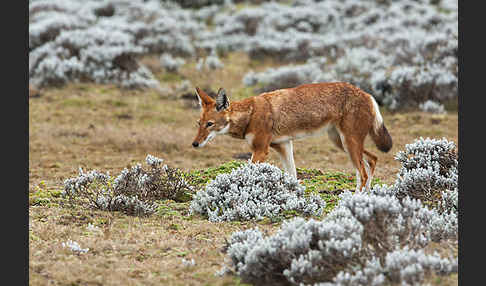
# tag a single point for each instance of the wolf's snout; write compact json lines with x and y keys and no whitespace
{"x":195,"y":144}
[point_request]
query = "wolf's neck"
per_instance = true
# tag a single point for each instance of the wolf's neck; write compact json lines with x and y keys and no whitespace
{"x":240,"y":118}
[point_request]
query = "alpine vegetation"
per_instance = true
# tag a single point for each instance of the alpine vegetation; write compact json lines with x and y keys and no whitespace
{"x":134,"y":192}
{"x":211,"y":62}
{"x":170,"y":63}
{"x":94,"y":54}
{"x":101,"y":41}
{"x":404,"y":266}
{"x":429,"y":167}
{"x":432,"y":107}
{"x":368,"y":239}
{"x":288,"y":76}
{"x":252,"y":192}
{"x":406,"y":55}
{"x":449,"y":201}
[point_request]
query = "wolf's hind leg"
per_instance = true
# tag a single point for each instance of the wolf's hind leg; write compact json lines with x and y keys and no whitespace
{"x":286,"y":154}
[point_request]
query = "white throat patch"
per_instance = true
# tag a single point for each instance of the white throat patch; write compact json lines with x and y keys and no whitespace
{"x":224,"y":130}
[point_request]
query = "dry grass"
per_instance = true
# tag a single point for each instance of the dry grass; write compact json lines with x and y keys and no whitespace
{"x":105,"y":128}
{"x":125,"y":250}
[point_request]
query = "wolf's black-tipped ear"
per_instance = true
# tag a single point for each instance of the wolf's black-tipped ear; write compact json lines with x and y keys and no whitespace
{"x":222,"y":101}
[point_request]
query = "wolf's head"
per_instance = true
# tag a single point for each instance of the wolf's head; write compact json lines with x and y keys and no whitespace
{"x":214,"y":119}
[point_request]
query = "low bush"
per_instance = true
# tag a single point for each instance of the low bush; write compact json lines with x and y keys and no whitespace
{"x":364,"y":239}
{"x":432,"y":107}
{"x":170,"y":63}
{"x":428,"y":167}
{"x":92,"y":54}
{"x":284,"y":77}
{"x":101,"y":42}
{"x":134,"y":192}
{"x":404,"y":266}
{"x":253,"y":191}
{"x":406,"y":56}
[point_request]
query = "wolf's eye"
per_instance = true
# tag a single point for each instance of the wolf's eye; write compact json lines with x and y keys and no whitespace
{"x":209,"y":124}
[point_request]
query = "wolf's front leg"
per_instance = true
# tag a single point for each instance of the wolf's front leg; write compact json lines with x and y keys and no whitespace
{"x":260,"y":147}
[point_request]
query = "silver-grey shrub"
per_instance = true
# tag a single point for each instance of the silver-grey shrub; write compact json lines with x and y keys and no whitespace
{"x":428,"y":167}
{"x":301,"y":251}
{"x":77,"y":41}
{"x":429,"y":172}
{"x":404,"y":266}
{"x":432,"y":107}
{"x":170,"y":63}
{"x":364,"y":241}
{"x":213,"y":62}
{"x":253,"y":191}
{"x":92,"y":54}
{"x":369,"y":238}
{"x":67,"y":43}
{"x":287,"y":76}
{"x":449,"y":201}
{"x":134,"y":191}
{"x":405,"y":55}
{"x":96,"y":190}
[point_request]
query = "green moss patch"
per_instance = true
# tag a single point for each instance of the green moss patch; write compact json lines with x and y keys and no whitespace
{"x":202,"y":177}
{"x":42,"y":196}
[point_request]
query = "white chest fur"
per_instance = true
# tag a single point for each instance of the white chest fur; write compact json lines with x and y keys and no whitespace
{"x":249,"y":138}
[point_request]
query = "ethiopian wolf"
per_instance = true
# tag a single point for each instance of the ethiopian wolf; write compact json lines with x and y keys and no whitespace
{"x":274,"y":119}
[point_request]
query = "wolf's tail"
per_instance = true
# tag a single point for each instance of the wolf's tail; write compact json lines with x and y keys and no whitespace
{"x":379,"y":134}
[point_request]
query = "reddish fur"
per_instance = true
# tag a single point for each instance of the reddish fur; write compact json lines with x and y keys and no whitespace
{"x":286,"y":113}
